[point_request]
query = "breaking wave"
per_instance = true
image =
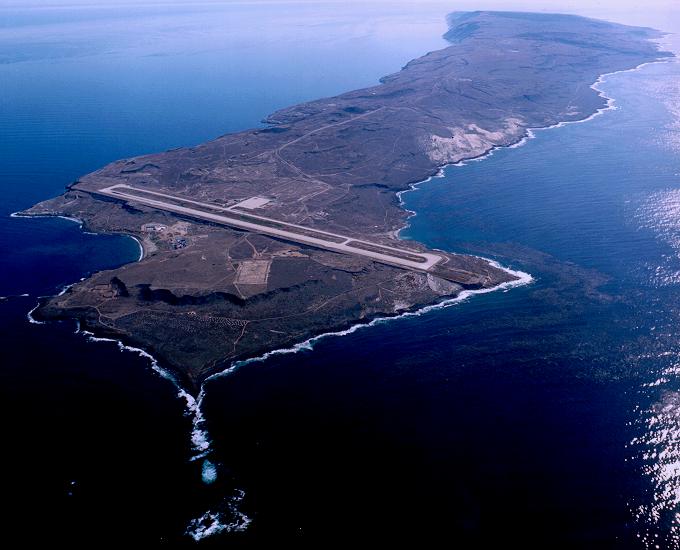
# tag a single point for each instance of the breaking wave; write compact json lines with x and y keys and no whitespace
{"x":227,"y":519}
{"x":199,"y":437}
{"x":530,"y":133}
{"x":522,"y":279}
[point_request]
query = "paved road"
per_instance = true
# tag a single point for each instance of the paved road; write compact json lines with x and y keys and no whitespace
{"x":421,"y":261}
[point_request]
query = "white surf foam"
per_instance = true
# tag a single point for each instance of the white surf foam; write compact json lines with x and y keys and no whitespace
{"x":208,"y":472}
{"x":213,"y":522}
{"x":69,"y":218}
{"x":228,"y":520}
{"x":199,"y":436}
{"x":522,"y":279}
{"x":141,"y":248}
{"x":30,"y":318}
{"x":200,"y":439}
{"x":80,"y":224}
{"x":65,"y":288}
{"x":63,"y":291}
{"x":530,"y":133}
{"x":207,"y":524}
{"x":14,"y":296}
{"x":29,"y":315}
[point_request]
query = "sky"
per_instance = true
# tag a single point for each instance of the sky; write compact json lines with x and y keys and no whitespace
{"x":642,"y":12}
{"x":570,"y":5}
{"x":528,"y":5}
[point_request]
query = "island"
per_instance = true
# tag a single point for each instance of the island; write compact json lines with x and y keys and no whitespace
{"x":261,"y":239}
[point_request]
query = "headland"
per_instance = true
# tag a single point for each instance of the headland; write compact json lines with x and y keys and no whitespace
{"x":265,"y":238}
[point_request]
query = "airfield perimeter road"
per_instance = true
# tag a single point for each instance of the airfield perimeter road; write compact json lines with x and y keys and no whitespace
{"x":418,"y":261}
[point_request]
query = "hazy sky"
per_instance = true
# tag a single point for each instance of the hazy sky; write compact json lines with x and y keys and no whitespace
{"x":643,"y":12}
{"x":480,"y":4}
{"x":542,"y":5}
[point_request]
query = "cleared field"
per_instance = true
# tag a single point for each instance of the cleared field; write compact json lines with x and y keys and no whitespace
{"x":252,"y":272}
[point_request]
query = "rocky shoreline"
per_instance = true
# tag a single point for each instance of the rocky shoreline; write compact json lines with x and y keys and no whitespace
{"x":204,"y":296}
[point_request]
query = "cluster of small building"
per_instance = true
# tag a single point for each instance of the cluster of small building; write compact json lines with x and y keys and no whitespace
{"x":176,"y":243}
{"x":154,"y":227}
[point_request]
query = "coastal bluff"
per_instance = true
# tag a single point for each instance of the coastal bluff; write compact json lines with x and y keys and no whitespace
{"x":206,"y":293}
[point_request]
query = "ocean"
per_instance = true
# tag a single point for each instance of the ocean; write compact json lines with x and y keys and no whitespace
{"x":546,"y":414}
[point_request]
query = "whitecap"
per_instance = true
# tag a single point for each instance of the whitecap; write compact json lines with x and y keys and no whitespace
{"x":30,"y":318}
{"x":208,"y":472}
{"x":200,"y":439}
{"x":228,"y":519}
{"x":522,"y":279}
{"x":530,"y":133}
{"x":69,"y":218}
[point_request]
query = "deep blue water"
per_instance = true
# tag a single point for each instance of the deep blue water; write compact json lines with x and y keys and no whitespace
{"x":548,"y":414}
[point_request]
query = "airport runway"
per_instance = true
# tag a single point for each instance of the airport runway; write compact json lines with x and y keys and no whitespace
{"x":419,"y":261}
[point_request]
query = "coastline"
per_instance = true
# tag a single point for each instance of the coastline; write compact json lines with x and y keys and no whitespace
{"x":457,"y":153}
{"x":522,"y":279}
{"x":528,"y":135}
{"x":21,"y":214}
{"x":81,"y":224}
{"x":200,"y":437}
{"x":211,"y":523}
